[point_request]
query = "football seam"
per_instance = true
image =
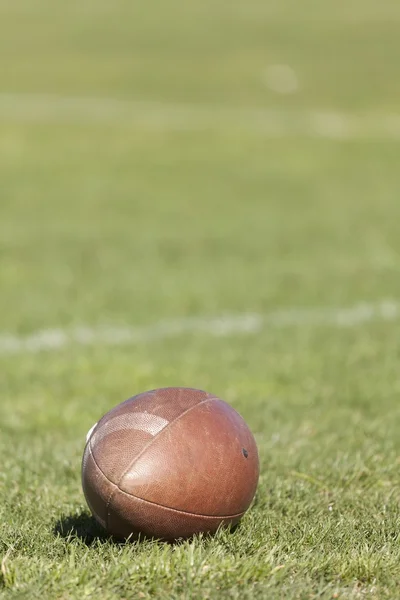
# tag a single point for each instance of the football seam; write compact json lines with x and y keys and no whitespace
{"x":149,"y":443}
{"x":176,"y":510}
{"x":89,"y":445}
{"x":183,"y":512}
{"x":99,"y":422}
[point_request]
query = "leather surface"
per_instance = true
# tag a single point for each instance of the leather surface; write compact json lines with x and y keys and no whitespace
{"x":153,"y":520}
{"x":96,"y":487}
{"x":170,"y":463}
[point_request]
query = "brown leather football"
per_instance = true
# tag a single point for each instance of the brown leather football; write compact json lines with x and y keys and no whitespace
{"x":168,"y":464}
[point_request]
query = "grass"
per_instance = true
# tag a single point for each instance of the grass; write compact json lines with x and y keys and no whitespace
{"x":114,"y":222}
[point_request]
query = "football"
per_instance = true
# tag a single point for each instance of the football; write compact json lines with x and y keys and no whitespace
{"x":168,"y":464}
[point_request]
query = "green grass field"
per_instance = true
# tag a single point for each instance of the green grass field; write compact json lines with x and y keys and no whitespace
{"x":150,"y":171}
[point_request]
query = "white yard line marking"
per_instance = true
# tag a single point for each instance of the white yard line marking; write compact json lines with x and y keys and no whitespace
{"x":53,"y":339}
{"x":29,"y":107}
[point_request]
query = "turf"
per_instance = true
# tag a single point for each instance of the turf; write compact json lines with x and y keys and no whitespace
{"x":107,"y":221}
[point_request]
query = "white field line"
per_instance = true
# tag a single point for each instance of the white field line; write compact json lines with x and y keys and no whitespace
{"x":53,"y":339}
{"x":29,"y":107}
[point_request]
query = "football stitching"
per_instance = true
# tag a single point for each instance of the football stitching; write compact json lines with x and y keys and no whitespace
{"x":89,"y":445}
{"x":209,"y":399}
{"x":150,"y":442}
{"x":183,"y":512}
{"x":176,"y":510}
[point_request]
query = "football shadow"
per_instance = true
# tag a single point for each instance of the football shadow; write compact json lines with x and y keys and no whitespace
{"x":81,"y":526}
{"x":84,"y":527}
